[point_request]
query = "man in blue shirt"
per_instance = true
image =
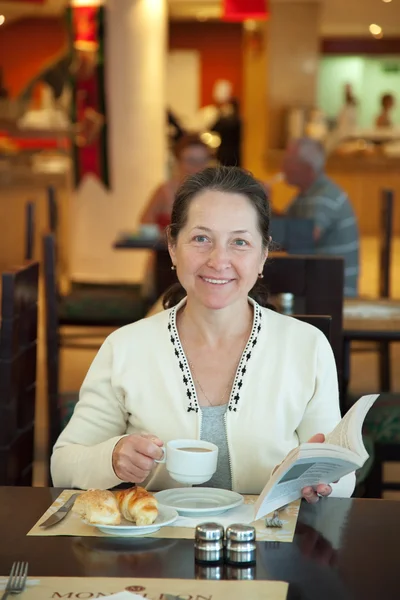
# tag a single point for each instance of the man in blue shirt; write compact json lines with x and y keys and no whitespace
{"x":335,"y":231}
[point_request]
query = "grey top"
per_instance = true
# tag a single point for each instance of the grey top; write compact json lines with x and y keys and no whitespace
{"x":333,"y":214}
{"x":213,"y":430}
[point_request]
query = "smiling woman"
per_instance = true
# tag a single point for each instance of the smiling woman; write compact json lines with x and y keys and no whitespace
{"x":216,"y":366}
{"x":219,"y":238}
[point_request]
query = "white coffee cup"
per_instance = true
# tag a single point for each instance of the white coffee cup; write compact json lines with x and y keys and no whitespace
{"x":190,"y":461}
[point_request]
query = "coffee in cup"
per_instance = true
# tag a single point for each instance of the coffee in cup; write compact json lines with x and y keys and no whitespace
{"x":190,"y":461}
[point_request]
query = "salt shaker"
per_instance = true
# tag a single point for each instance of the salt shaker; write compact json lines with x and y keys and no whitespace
{"x":287,"y":303}
{"x":240,"y":544}
{"x":209,"y":543}
{"x":214,"y":571}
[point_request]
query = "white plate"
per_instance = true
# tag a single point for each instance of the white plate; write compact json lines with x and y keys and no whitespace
{"x":166,"y":516}
{"x":193,"y":501}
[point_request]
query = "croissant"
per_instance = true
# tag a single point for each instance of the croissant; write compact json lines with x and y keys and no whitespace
{"x":98,"y":507}
{"x":138,"y":505}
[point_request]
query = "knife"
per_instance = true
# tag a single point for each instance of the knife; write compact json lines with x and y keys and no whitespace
{"x":60,"y":513}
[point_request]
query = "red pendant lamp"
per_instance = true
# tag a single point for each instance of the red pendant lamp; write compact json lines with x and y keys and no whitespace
{"x":241,"y":10}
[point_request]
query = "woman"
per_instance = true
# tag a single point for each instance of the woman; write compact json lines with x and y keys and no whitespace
{"x":384,"y":118}
{"x":192,"y":155}
{"x":216,"y":365}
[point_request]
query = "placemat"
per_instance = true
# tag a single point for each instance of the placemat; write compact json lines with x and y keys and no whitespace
{"x":80,"y":588}
{"x":73,"y":525}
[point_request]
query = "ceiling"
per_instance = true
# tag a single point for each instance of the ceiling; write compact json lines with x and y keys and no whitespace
{"x":338,"y":17}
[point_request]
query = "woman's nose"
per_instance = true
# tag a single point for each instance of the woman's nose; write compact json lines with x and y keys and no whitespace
{"x":219,"y":258}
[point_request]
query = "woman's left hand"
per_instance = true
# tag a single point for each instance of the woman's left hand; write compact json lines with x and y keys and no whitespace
{"x":308,"y":493}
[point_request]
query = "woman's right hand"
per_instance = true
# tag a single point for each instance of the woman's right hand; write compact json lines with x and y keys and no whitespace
{"x":134,"y":455}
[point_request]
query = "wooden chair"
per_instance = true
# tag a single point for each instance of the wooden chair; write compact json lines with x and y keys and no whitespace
{"x":386,"y":242}
{"x":18,"y":351}
{"x":52,"y":210}
{"x":295,"y":236}
{"x":52,"y":339}
{"x":385,"y":259}
{"x":56,"y":402}
{"x":92,"y":305}
{"x":316,"y":283}
{"x":29,"y":230}
{"x":321,"y":322}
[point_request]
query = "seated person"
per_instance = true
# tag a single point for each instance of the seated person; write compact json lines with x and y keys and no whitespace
{"x":215,"y":365}
{"x":192,"y":155}
{"x":384,"y":118}
{"x":336,"y":231}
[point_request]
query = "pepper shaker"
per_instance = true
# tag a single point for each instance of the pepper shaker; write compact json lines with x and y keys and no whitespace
{"x":209,"y":543}
{"x":241,"y":572}
{"x":240,"y":544}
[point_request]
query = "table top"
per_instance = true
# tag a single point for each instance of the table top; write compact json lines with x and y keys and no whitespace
{"x":343,"y":549}
{"x":364,"y":317}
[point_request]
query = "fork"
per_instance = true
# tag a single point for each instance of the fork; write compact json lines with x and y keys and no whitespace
{"x":17,"y":579}
{"x":275,"y":521}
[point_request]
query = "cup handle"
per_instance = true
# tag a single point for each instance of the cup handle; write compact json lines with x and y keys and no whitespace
{"x":164,"y":456}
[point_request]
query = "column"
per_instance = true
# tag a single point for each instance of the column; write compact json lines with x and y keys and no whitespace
{"x":255,"y":85}
{"x":293,"y":54}
{"x":135,"y":74}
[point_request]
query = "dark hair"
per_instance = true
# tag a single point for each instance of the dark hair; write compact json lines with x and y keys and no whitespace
{"x":232,"y":180}
{"x":386,"y":98}
{"x":187,"y":141}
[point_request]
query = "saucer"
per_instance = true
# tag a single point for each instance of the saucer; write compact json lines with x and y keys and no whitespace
{"x":199,"y":501}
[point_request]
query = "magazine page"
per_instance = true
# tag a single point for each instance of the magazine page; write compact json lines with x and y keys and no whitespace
{"x":348,"y":433}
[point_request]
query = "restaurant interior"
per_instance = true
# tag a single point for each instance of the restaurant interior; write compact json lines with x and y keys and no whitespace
{"x":106,"y":108}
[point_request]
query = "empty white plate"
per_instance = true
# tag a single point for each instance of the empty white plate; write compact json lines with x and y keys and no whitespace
{"x":193,"y":501}
{"x":166,"y":516}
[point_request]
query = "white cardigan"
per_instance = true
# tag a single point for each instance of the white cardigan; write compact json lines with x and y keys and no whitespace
{"x":285,"y":390}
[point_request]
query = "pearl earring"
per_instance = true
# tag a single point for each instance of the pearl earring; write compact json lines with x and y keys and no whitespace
{"x":173,"y":268}
{"x":260,"y":276}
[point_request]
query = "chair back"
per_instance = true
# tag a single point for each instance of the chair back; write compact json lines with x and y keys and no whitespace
{"x":29,"y":230}
{"x":52,"y":338}
{"x":321,"y":322}
{"x":295,"y":236}
{"x":52,"y":209}
{"x":386,"y":242}
{"x":317,"y":283}
{"x":18,"y":352}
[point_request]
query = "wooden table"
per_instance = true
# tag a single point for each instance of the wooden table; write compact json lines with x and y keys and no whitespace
{"x":344,"y":549}
{"x":163,"y":276}
{"x":371,"y":320}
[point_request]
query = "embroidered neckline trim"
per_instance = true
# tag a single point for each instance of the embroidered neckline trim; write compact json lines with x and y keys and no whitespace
{"x":234,"y":398}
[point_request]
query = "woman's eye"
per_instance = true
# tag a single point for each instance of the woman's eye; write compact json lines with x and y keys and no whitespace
{"x":240,"y":243}
{"x":200,"y":239}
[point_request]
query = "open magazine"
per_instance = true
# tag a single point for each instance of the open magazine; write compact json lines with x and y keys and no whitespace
{"x":311,"y":464}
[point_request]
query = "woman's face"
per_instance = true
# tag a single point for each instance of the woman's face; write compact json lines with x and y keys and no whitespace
{"x":192,"y":160}
{"x":219,"y":253}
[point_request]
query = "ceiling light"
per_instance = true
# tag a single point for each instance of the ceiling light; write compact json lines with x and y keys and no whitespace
{"x":386,"y":0}
{"x":375,"y":29}
{"x":2,"y":19}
